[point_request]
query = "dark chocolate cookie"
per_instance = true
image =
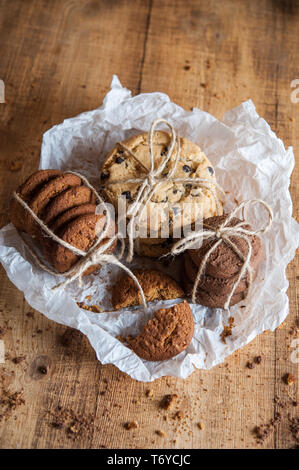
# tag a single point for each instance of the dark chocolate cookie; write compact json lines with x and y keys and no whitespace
{"x":214,"y":285}
{"x":224,"y":262}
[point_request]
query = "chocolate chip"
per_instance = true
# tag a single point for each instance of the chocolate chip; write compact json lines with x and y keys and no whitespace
{"x":211,"y":170}
{"x":104,"y":175}
{"x":119,"y":160}
{"x":258,"y":359}
{"x":127,"y":194}
{"x":187,"y":168}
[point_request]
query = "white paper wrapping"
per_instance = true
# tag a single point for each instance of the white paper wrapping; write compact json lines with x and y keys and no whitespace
{"x":250,"y":162}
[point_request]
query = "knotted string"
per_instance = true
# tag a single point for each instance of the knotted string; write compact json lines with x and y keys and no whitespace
{"x":154,"y":178}
{"x":95,"y":255}
{"x":223,"y":234}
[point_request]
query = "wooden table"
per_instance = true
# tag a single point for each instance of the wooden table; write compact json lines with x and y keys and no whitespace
{"x":57,"y":60}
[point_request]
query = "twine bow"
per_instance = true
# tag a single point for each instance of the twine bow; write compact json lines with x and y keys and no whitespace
{"x":95,"y":255}
{"x":224,"y":233}
{"x":153,"y":178}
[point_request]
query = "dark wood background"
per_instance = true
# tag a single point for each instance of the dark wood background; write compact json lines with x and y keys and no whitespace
{"x":57,"y":60}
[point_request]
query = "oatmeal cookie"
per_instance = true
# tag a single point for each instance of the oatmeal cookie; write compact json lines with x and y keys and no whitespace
{"x":48,"y":192}
{"x":167,"y":334}
{"x":72,"y":197}
{"x":223,"y":261}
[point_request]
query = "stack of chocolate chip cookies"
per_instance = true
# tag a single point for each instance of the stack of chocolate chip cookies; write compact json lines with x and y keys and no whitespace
{"x":222,"y":268}
{"x":64,"y":205}
{"x":174,"y":204}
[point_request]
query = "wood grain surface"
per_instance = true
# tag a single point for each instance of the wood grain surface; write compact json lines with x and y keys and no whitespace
{"x":57,"y":60}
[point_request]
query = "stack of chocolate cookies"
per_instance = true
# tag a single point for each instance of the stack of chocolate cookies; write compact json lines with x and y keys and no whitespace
{"x":67,"y":207}
{"x":222,"y":267}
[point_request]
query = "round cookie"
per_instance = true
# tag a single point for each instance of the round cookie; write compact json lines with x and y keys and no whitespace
{"x":208,"y":299}
{"x":71,"y":214}
{"x":167,"y":334}
{"x":224,"y":262}
{"x":214,"y":285}
{"x":68,"y":199}
{"x":33,"y":183}
{"x":170,"y":197}
{"x":67,"y":216}
{"x":80,"y":233}
{"x":156,"y":285}
{"x":49,"y":191}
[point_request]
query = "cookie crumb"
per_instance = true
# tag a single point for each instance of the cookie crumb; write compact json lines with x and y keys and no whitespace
{"x":179,"y":415}
{"x":227,"y":329}
{"x":57,"y":424}
{"x":201,"y":425}
{"x":168,"y":401}
{"x":250,"y":365}
{"x":289,"y":379}
{"x":149,"y":392}
{"x":160,"y":433}
{"x":258,"y":359}
{"x":121,"y":338}
{"x":18,"y":359}
{"x":91,"y":308}
{"x":131,"y":425}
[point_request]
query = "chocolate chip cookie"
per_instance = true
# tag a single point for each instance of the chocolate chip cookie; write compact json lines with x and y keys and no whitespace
{"x":174,"y":204}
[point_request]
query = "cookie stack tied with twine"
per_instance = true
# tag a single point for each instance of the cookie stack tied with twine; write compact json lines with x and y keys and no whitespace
{"x":168,"y":183}
{"x":220,"y":272}
{"x":74,"y":239}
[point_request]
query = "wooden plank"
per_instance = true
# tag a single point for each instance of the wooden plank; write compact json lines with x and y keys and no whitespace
{"x":210,"y":54}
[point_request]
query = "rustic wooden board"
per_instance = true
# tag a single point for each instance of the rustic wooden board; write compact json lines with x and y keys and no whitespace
{"x":57,"y":59}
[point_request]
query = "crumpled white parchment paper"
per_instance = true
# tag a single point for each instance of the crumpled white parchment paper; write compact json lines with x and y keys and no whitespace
{"x":250,"y":161}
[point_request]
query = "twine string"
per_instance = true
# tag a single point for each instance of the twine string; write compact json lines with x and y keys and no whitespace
{"x":95,"y":255}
